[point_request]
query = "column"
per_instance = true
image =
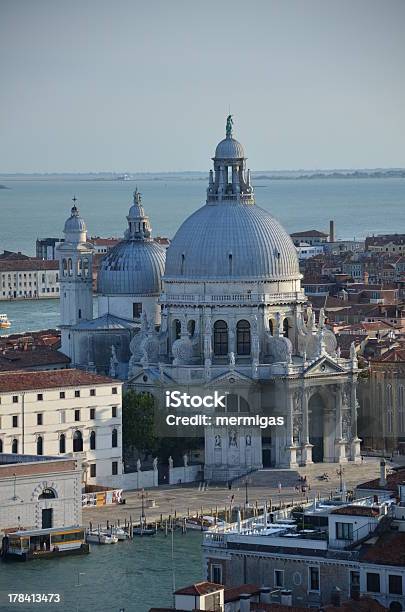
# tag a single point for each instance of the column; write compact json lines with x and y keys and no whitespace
{"x":355,"y":454}
{"x":340,"y":444}
{"x":306,"y":446}
{"x":291,"y":449}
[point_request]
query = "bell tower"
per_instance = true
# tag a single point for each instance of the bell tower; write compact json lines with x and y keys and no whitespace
{"x":75,"y":257}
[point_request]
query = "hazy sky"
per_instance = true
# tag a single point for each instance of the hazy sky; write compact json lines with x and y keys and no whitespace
{"x":97,"y":85}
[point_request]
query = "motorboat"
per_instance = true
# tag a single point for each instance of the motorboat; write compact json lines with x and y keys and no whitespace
{"x":100,"y":537}
{"x":4,"y":321}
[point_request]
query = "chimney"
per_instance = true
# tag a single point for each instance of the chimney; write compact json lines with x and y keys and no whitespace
{"x":336,"y":597}
{"x":265,"y":595}
{"x":331,"y":231}
{"x":383,"y":473}
{"x":286,"y":597}
{"x":244,"y":602}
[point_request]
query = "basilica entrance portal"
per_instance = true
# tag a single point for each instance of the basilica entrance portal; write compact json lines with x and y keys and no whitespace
{"x":316,"y":421}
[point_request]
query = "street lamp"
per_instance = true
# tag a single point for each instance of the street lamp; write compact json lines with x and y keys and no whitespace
{"x":340,"y":473}
{"x":246,"y":491}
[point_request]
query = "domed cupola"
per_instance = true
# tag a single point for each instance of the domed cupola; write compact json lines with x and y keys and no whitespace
{"x":230,"y":238}
{"x":75,"y":228}
{"x":135,"y":265}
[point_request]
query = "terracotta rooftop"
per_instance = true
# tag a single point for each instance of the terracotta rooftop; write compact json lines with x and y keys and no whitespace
{"x":234,"y":593}
{"x":28,"y":265}
{"x":33,"y":357}
{"x":357,"y":511}
{"x":50,"y":379}
{"x":388,"y":550}
{"x":393,"y":355}
{"x":393,"y":480}
{"x":200,"y":588}
{"x":364,"y":604}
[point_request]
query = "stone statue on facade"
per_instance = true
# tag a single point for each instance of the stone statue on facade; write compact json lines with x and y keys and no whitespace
{"x":113,"y":362}
{"x":170,"y":461}
{"x":138,"y":465}
{"x":232,"y":360}
{"x":185,"y":460}
{"x":155,"y":464}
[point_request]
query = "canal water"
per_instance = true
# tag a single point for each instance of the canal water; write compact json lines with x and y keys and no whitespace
{"x":132,"y":576}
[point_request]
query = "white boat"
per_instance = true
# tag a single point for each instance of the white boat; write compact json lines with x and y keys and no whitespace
{"x":4,"y":321}
{"x":95,"y":537}
{"x":119,"y":533}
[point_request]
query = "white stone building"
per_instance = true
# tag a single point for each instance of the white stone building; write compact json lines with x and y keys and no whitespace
{"x":28,"y":278}
{"x":228,"y":314}
{"x":38,"y":492}
{"x":63,"y":412}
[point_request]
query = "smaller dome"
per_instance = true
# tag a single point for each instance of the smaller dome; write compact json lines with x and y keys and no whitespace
{"x":75,"y":229}
{"x":229,"y":148}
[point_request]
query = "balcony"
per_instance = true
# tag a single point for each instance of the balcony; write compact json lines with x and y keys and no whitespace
{"x":238,"y":298}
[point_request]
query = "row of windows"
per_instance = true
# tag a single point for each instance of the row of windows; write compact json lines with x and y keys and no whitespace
{"x":62,"y":416}
{"x":114,"y":469}
{"x":77,"y":442}
{"x":374,"y":583}
{"x":62,"y":395}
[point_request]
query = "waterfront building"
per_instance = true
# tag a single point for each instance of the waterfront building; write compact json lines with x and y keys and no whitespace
{"x":226,"y":311}
{"x":45,"y":248}
{"x":39,"y":492}
{"x":63,"y":412}
{"x":28,"y":278}
{"x":386,"y":243}
{"x":311,"y":237}
{"x":321,"y":550}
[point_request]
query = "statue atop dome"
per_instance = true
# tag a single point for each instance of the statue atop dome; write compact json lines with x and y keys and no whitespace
{"x":229,"y":126}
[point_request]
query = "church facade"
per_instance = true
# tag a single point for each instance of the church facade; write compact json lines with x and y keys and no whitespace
{"x":231,"y":316}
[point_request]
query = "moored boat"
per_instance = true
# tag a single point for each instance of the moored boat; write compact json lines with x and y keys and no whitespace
{"x":24,"y":545}
{"x":100,"y":537}
{"x":4,"y":321}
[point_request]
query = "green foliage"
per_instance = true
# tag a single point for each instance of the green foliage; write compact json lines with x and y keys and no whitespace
{"x":138,"y":420}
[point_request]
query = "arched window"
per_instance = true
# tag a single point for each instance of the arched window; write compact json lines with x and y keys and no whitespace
{"x":114,"y":438}
{"x":286,"y":328}
{"x":70,"y":267}
{"x":62,"y":443}
{"x":64,"y":267}
{"x":271,"y":327}
{"x":77,"y":442}
{"x":79,"y":267}
{"x":389,"y":396}
{"x":243,"y":338}
{"x":1,"y":445}
{"x":47,"y":494}
{"x":86,"y":267}
{"x":40,"y":445}
{"x":176,"y":329}
{"x":220,"y":338}
{"x":191,"y":327}
{"x":93,"y":440}
{"x":14,"y":446}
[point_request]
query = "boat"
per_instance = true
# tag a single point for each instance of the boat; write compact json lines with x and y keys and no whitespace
{"x":24,"y":545}
{"x":119,"y":533}
{"x":100,"y":537}
{"x":143,"y":531}
{"x":4,"y":321}
{"x":207,"y":523}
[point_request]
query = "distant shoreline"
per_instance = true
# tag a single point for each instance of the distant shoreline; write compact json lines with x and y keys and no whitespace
{"x":267,"y":175}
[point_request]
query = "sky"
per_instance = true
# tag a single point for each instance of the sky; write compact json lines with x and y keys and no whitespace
{"x":130,"y":85}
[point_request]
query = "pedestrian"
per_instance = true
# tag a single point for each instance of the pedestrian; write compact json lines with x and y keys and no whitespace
{"x":279,"y":487}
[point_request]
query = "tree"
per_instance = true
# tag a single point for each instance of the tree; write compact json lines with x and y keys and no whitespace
{"x":138,"y":421}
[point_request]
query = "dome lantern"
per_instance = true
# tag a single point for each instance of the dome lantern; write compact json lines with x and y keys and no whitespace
{"x":230,"y":180}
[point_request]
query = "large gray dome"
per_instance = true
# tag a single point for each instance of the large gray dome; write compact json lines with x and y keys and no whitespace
{"x":132,"y":267}
{"x":231,"y":241}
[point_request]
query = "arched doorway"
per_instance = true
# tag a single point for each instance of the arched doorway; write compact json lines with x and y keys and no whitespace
{"x":316,"y":427}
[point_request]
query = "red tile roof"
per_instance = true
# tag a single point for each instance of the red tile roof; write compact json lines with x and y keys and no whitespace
{"x":39,"y":357}
{"x":200,"y":588}
{"x":234,"y":593}
{"x":364,"y":604}
{"x":357,"y":511}
{"x":388,"y":550}
{"x":28,"y":265}
{"x":50,"y":379}
{"x":393,"y":480}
